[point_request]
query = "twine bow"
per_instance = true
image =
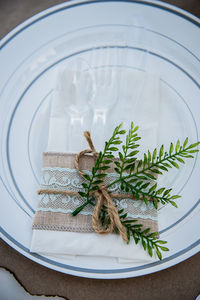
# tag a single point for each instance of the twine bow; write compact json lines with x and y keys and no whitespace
{"x":103,"y":199}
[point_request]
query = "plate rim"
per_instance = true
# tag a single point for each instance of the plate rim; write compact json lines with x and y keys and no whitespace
{"x":72,"y":3}
{"x":17,"y":30}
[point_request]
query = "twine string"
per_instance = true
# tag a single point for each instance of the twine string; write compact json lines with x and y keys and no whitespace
{"x":103,"y":199}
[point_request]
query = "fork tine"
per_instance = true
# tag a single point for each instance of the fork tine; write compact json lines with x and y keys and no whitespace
{"x":115,"y":62}
{"x":99,"y":77}
{"x":112,"y":63}
{"x":106,"y":73}
{"x":92,"y":58}
{"x":93,"y":61}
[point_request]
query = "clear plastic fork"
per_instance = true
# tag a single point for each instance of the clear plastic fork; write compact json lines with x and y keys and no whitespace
{"x":76,"y":87}
{"x":106,"y":77}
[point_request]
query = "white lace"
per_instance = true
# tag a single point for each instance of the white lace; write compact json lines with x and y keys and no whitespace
{"x":69,"y":180}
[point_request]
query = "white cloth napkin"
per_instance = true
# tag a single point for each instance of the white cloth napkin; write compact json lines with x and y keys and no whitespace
{"x":139,"y":102}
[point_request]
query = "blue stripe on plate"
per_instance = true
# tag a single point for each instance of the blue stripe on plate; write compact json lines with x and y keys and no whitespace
{"x":99,"y":271}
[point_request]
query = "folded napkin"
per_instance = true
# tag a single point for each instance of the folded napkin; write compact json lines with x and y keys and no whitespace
{"x":55,"y":230}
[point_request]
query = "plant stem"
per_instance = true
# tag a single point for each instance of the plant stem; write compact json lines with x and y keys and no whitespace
{"x":78,"y":209}
{"x":99,"y":161}
{"x":158,"y":161}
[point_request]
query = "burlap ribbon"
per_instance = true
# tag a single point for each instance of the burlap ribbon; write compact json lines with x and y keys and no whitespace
{"x":103,"y":197}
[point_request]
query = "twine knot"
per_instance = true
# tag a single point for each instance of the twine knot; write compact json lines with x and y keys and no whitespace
{"x":103,"y":199}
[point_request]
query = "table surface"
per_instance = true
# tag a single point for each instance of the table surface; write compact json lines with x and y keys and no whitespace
{"x":181,"y":281}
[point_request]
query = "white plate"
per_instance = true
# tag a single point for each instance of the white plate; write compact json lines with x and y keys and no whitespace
{"x":29,"y":57}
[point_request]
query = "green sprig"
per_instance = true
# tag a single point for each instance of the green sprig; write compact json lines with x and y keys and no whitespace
{"x":148,"y":239}
{"x":102,"y":164}
{"x":138,"y":178}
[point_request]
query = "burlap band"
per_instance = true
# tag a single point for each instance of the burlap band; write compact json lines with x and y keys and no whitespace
{"x":67,"y":160}
{"x":80,"y":223}
{"x":62,"y":222}
{"x":49,"y":220}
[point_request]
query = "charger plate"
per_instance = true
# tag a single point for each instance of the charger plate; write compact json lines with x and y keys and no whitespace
{"x":29,"y":58}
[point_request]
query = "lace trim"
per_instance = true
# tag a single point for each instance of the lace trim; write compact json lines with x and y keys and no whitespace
{"x":68,"y":179}
{"x":67,"y":204}
{"x":89,"y":213}
{"x":57,"y":178}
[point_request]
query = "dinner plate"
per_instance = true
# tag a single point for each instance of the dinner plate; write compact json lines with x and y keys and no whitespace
{"x":29,"y":58}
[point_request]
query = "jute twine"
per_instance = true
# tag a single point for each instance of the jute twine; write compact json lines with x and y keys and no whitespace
{"x":103,"y":199}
